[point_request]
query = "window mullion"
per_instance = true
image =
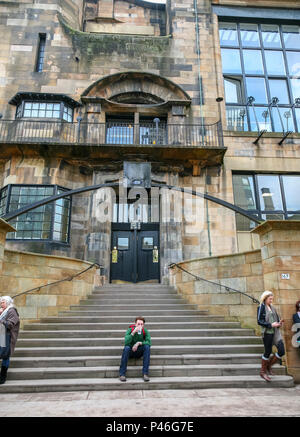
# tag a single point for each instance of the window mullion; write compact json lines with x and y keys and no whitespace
{"x":244,"y":91}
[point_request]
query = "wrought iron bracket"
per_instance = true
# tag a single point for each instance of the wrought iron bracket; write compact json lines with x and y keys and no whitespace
{"x":260,"y":134}
{"x":284,"y":137}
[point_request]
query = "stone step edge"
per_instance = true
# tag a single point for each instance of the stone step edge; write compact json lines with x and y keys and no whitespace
{"x":137,"y":383}
{"x":104,"y":331}
{"x":153,"y":357}
{"x":121,"y":339}
{"x":155,"y":367}
{"x":153,"y":348}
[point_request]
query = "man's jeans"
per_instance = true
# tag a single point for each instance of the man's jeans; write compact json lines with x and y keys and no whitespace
{"x":128,"y":353}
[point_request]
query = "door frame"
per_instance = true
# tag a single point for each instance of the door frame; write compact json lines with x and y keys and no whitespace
{"x":143,"y":227}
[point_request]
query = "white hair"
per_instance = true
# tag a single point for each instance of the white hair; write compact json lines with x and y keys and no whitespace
{"x":7,"y":299}
{"x":264,"y":296}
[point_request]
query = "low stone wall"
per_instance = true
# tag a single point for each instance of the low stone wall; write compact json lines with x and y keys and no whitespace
{"x":22,"y":271}
{"x":241,"y":271}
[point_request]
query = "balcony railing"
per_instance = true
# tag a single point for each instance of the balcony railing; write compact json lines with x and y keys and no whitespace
{"x":271,"y":117}
{"x":143,"y":134}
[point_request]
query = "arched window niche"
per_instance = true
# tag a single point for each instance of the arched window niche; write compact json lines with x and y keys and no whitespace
{"x":135,"y":107}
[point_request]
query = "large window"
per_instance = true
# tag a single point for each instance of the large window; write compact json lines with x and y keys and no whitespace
{"x":268,"y":196}
{"x":48,"y":222}
{"x":261,"y":69}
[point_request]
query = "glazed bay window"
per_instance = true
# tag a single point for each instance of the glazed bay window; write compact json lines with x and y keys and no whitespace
{"x":48,"y":222}
{"x":267,"y":196}
{"x":261,"y":70}
{"x":57,"y":110}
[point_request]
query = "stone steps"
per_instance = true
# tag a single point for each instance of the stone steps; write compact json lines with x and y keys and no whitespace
{"x":87,"y":361}
{"x":155,"y":350}
{"x":89,"y":333}
{"x":123,"y":326}
{"x":135,"y":371}
{"x":81,"y":349}
{"x":159,"y":341}
{"x":157,"y":383}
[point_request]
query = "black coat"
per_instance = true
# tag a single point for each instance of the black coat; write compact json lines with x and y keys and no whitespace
{"x":296,"y":319}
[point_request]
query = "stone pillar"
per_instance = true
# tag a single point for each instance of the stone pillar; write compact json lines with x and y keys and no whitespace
{"x":280,"y":253}
{"x":4,"y":229}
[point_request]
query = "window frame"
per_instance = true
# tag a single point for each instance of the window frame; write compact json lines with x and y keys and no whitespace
{"x":20,"y":109}
{"x":56,"y":188}
{"x":287,"y":77}
{"x":259,"y":212}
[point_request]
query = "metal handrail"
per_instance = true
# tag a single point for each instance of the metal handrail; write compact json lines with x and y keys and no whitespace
{"x":70,"y":278}
{"x":172,"y":265}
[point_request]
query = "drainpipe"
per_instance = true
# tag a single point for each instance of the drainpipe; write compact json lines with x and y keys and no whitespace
{"x":207,"y":218}
{"x":201,"y":116}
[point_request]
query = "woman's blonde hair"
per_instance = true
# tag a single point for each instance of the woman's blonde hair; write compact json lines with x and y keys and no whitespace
{"x":264,"y":296}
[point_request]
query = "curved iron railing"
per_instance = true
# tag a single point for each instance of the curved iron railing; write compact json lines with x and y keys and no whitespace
{"x":70,"y":278}
{"x":198,"y":278}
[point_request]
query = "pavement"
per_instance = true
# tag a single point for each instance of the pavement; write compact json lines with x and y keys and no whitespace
{"x":235,"y":402}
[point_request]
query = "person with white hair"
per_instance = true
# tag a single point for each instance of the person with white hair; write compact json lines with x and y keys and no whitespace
{"x":9,"y":330}
{"x":270,"y":323}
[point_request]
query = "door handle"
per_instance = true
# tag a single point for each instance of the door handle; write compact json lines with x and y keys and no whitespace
{"x":155,"y":254}
{"x":114,"y":255}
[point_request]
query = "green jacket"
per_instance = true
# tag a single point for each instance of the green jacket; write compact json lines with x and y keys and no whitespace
{"x":130,"y":340}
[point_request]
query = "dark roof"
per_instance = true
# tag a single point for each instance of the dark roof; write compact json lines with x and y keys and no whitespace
{"x":50,"y":97}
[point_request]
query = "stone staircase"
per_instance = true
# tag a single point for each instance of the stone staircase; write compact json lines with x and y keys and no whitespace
{"x":81,"y":348}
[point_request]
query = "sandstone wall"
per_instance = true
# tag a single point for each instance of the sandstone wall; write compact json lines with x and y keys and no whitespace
{"x":22,"y":271}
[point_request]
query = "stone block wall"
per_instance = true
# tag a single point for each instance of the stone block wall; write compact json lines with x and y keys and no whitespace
{"x":241,"y":271}
{"x":24,"y":271}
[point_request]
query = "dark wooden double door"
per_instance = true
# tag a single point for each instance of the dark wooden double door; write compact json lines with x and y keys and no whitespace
{"x":135,"y":252}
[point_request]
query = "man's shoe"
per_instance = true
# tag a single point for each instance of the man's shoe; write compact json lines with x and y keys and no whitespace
{"x":123,"y":378}
{"x":146,"y":378}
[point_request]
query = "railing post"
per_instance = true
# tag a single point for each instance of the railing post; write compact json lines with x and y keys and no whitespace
{"x":78,"y":129}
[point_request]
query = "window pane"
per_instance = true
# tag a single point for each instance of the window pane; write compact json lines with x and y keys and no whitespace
{"x":147,"y":243}
{"x":123,"y":243}
{"x":286,"y":123}
{"x":243,"y":223}
{"x":297,"y":111}
{"x":256,"y":87}
{"x":269,"y":192}
{"x":272,"y":216}
{"x":291,"y":37}
{"x":263,"y":119}
{"x":236,"y":118}
{"x":243,"y":191}
{"x":233,"y":90}
{"x":253,"y":62}
{"x":249,"y":35}
{"x":228,"y":34}
{"x":295,"y":88}
{"x":275,"y":62}
{"x":293,"y":59}
{"x":291,"y":186}
{"x":231,"y":61}
{"x":278,"y":88}
{"x":270,"y":36}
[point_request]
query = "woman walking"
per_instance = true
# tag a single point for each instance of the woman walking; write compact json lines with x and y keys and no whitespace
{"x":271,"y":323}
{"x":9,"y":330}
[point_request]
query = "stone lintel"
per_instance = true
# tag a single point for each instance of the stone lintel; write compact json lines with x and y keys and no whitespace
{"x":5,"y":226}
{"x":277,"y":225}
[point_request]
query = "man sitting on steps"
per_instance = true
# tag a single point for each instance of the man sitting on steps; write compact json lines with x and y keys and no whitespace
{"x":137,"y":344}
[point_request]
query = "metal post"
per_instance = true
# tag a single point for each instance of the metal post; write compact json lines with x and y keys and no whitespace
{"x":156,"y":121}
{"x":78,"y":128}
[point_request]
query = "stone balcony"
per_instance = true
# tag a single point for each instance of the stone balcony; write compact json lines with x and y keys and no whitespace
{"x":197,"y":145}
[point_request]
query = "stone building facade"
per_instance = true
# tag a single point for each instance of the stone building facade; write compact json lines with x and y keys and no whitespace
{"x":181,"y":94}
